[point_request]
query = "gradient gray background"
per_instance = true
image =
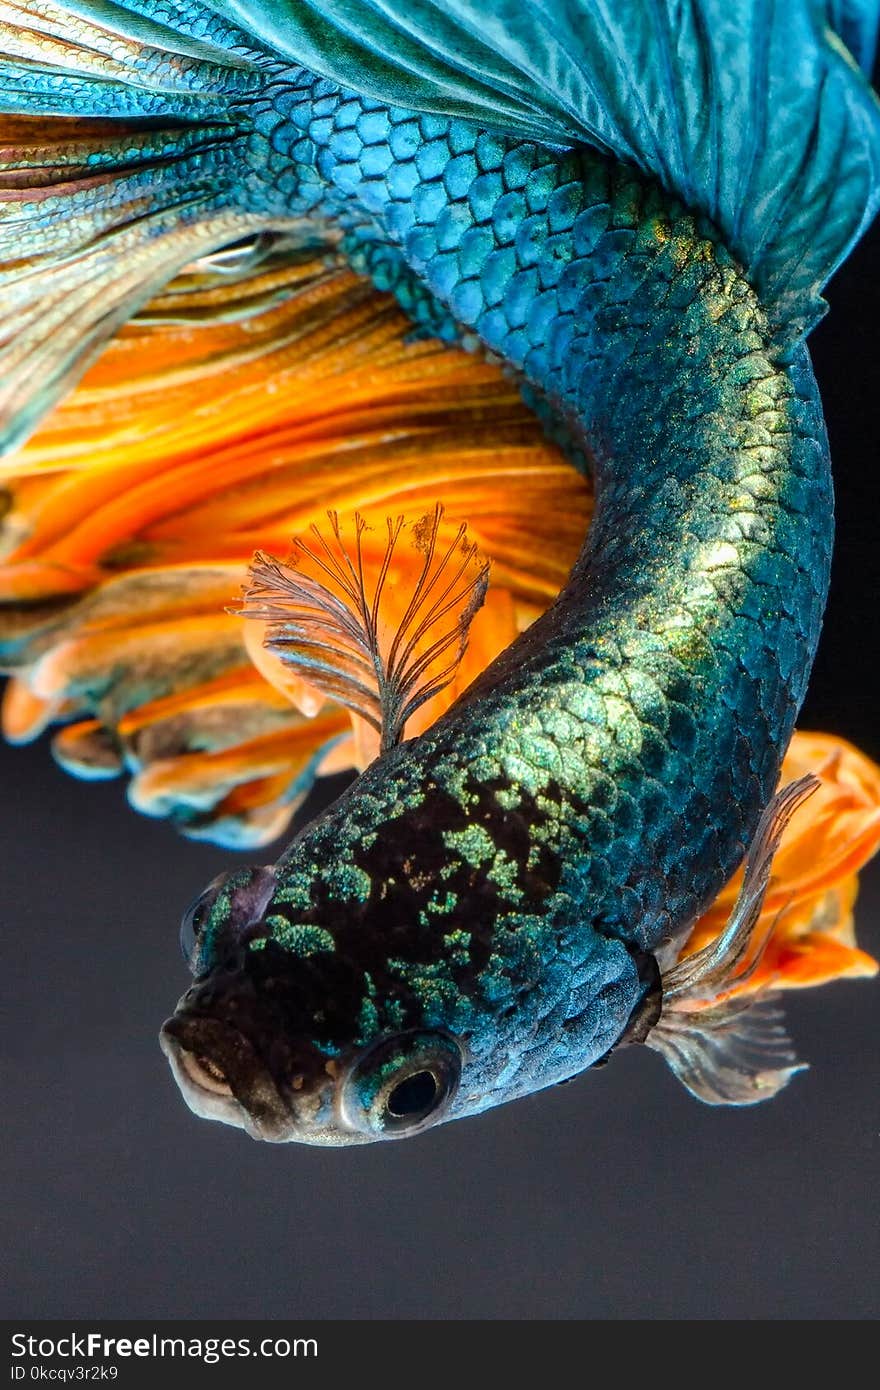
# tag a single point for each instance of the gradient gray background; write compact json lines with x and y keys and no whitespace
{"x":617,"y":1196}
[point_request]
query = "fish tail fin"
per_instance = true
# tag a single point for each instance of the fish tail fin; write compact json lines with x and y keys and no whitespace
{"x":122,"y":146}
{"x":857,"y":22}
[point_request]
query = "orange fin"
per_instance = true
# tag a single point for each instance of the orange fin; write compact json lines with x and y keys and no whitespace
{"x":122,"y":143}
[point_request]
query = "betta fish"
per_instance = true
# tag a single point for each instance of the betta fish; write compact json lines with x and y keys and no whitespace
{"x":625,"y":213}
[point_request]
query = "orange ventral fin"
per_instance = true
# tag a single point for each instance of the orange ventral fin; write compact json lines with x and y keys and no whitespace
{"x":808,"y":907}
{"x":378,"y":629}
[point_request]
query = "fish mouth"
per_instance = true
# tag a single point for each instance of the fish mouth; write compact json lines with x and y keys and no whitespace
{"x":221,"y":1077}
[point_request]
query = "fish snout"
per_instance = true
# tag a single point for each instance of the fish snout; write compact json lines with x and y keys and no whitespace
{"x":222,"y":1077}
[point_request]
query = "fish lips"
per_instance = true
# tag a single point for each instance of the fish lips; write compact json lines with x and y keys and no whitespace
{"x":247,"y":1096}
{"x":222,"y":1075}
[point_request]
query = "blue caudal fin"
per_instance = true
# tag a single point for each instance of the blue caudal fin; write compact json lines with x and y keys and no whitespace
{"x":754,"y":112}
{"x":120,"y":161}
{"x":857,"y":22}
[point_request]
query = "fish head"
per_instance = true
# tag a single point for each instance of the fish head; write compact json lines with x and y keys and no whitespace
{"x":242,"y":1052}
{"x":380,"y":979}
{"x":279,"y":1036}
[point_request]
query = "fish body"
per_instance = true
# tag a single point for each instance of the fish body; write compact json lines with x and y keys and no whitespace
{"x":500,"y":878}
{"x":481,"y":914}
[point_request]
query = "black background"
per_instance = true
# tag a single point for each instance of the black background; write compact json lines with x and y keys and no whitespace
{"x":618,"y":1196}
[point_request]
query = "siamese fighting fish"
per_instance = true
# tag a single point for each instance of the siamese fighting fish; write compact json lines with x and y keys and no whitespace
{"x":581,"y":242}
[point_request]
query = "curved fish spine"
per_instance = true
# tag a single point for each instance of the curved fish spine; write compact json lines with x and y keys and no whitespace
{"x":503,"y":877}
{"x":506,"y":876}
{"x":666,"y":680}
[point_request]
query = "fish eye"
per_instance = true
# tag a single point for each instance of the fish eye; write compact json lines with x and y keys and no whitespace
{"x":417,"y":1095}
{"x":195,"y":917}
{"x":402,"y":1084}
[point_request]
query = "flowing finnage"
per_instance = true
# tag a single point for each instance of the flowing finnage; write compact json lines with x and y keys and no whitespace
{"x":424,"y":396}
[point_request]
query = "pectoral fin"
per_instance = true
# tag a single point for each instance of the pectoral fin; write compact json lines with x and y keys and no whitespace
{"x":737,"y":1053}
{"x":727,"y":1047}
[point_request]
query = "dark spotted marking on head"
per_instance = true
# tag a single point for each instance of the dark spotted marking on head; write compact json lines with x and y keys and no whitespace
{"x":410,"y":868}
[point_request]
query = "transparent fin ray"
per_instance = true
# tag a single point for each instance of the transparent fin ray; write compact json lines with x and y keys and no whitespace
{"x":722,"y":963}
{"x":732,"y":1049}
{"x":733,"y":1054}
{"x":331,"y":617}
